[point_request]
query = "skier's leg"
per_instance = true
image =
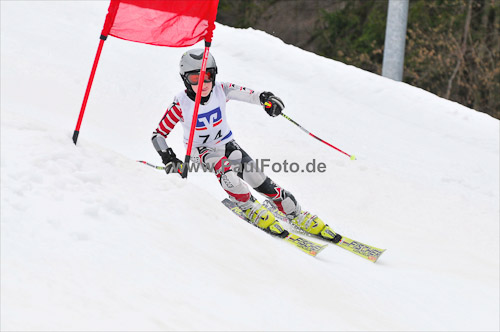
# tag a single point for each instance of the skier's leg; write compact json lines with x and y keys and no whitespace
{"x":238,"y":191}
{"x":249,"y":172}
{"x":214,"y":159}
{"x":280,"y":197}
{"x":285,"y":202}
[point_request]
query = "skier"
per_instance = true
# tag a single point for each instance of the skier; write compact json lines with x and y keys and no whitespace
{"x":214,"y":143}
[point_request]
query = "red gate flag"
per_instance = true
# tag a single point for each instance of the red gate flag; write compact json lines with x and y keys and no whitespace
{"x":174,"y":23}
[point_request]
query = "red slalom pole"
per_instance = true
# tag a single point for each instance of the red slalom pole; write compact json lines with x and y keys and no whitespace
{"x":108,"y":23}
{"x":196,"y":108}
{"x":316,"y":137}
{"x":87,"y":91}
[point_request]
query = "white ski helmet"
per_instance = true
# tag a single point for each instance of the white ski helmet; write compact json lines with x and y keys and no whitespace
{"x":192,"y":59}
{"x":191,"y":62}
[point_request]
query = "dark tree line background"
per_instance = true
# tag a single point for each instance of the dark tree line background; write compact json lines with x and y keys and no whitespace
{"x":452,"y":46}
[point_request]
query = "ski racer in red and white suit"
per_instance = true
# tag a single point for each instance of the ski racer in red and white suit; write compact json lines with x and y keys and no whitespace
{"x":217,"y":149}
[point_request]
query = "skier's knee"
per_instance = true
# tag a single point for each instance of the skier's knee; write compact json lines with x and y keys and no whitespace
{"x":222,"y":166}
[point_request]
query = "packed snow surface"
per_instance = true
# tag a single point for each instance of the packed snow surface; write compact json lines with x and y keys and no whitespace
{"x":91,"y":240}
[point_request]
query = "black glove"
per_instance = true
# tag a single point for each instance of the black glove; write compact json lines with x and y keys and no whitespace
{"x":172,"y":163}
{"x":272,"y":104}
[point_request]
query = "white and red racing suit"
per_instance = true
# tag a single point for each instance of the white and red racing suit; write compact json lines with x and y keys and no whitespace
{"x":213,"y":142}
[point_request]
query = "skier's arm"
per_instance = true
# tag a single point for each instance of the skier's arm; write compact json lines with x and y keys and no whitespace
{"x":236,"y":92}
{"x":271,"y":103}
{"x":167,"y":123}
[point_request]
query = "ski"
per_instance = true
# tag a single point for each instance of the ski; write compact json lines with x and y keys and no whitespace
{"x":366,"y":251}
{"x":363,"y":250}
{"x":309,"y":247}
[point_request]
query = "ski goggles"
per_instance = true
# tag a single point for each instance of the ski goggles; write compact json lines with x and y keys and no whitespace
{"x":194,"y":77}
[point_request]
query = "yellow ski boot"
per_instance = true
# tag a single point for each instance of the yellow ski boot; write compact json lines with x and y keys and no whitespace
{"x":264,"y":219}
{"x":314,"y":225}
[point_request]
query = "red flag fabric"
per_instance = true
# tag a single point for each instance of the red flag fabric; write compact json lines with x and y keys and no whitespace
{"x":173,"y":23}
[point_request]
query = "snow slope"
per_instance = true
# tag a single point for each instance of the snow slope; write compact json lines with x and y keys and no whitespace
{"x":93,"y":241}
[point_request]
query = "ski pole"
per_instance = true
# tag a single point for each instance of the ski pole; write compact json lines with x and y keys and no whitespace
{"x":316,"y":137}
{"x":161,"y":168}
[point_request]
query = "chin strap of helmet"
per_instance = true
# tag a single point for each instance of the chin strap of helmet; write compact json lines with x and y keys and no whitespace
{"x":192,"y":95}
